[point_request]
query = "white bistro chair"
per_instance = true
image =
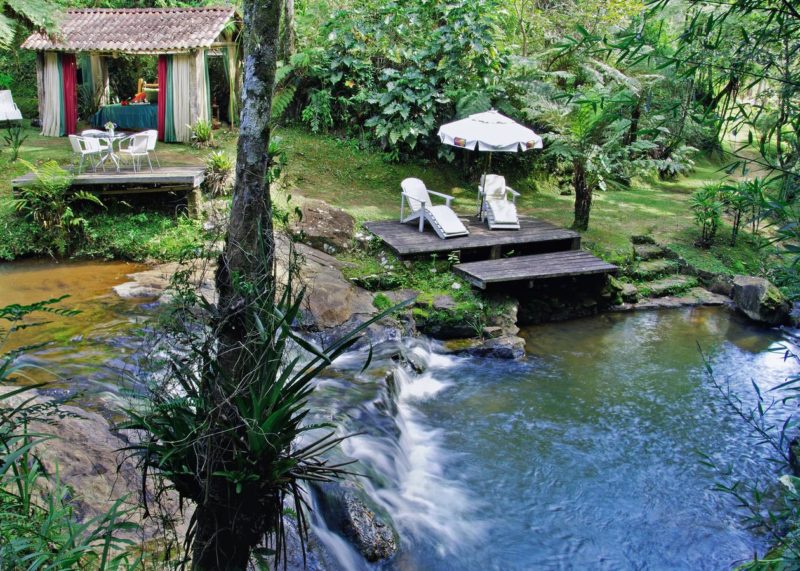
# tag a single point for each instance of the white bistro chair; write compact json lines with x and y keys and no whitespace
{"x":134,"y":148}
{"x":152,"y":139}
{"x":98,"y":134}
{"x":86,"y":148}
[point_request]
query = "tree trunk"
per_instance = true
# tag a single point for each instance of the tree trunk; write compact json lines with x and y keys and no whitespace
{"x":633,"y":131}
{"x":228,"y":525}
{"x":288,"y":32}
{"x":583,"y":195}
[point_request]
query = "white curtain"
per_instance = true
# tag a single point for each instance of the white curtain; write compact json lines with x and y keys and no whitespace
{"x":51,"y":98}
{"x":203,"y":104}
{"x":183,"y":89}
{"x":100,"y":80}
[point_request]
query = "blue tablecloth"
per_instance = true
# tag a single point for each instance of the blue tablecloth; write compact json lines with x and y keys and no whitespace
{"x":137,"y":117}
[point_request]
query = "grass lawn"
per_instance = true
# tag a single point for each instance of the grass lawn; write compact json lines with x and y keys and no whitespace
{"x":366,"y":185}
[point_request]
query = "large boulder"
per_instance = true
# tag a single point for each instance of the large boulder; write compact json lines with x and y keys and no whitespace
{"x":759,"y":300}
{"x":324,"y":227}
{"x":345,"y":510}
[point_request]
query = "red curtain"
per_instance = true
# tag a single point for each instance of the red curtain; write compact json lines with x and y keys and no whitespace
{"x":70,"y":74}
{"x":162,"y":96}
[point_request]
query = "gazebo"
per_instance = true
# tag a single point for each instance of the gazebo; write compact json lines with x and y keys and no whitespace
{"x":181,"y":38}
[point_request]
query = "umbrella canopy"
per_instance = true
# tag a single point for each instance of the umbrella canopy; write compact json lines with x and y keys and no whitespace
{"x":489,"y":131}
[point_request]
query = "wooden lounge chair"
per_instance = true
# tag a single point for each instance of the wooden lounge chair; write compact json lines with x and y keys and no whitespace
{"x":497,"y":210}
{"x":441,"y":217}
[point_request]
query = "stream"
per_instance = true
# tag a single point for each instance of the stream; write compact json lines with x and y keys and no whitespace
{"x":586,"y":455}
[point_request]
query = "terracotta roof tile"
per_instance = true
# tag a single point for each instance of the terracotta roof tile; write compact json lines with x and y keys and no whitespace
{"x":134,"y":30}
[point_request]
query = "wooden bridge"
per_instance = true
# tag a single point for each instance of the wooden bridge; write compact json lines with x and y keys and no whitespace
{"x":538,"y":250}
{"x":184,"y":180}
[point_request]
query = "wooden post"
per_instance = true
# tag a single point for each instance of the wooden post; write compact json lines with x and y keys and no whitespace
{"x":194,"y":202}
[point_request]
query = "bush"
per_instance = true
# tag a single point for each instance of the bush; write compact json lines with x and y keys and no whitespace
{"x":219,"y":166}
{"x":49,"y":203}
{"x":707,"y":208}
{"x":202,"y":135}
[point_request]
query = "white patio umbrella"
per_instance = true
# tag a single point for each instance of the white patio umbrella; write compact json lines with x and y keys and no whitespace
{"x":489,"y":131}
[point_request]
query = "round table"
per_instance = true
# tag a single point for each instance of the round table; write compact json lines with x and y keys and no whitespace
{"x":110,"y":138}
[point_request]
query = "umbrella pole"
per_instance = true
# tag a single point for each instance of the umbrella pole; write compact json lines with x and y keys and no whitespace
{"x":483,"y":185}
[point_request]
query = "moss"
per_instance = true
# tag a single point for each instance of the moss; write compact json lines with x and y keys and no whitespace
{"x":381,"y":302}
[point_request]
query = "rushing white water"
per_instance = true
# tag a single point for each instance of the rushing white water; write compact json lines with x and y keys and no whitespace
{"x":413,"y":488}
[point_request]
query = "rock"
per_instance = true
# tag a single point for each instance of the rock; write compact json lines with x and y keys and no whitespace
{"x":324,"y":227}
{"x":135,"y":290}
{"x":694,"y":297}
{"x":759,"y":300}
{"x":377,"y":282}
{"x":648,"y":251}
{"x":651,"y":269}
{"x":642,"y":239}
{"x":443,"y":303}
{"x":794,"y":456}
{"x":629,"y":293}
{"x":87,"y":457}
{"x":344,"y":508}
{"x":506,"y":318}
{"x":492,"y":332}
{"x":670,"y":285}
{"x":722,"y":285}
{"x":509,"y":347}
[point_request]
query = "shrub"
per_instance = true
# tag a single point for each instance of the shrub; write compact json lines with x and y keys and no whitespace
{"x":14,"y":138}
{"x":48,"y":203}
{"x":219,"y":166}
{"x":707,"y":208}
{"x":202,"y":135}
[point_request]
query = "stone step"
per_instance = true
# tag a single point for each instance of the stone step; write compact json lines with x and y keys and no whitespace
{"x":670,"y":285}
{"x":654,"y":268}
{"x":648,"y":251}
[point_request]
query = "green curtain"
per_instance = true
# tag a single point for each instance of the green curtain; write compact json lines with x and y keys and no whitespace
{"x":208,"y":88}
{"x":85,"y":65}
{"x":169,"y":115}
{"x":230,"y":74}
{"x":62,"y":113}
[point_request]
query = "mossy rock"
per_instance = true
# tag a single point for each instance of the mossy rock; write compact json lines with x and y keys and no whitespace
{"x":670,"y":285}
{"x":652,"y":269}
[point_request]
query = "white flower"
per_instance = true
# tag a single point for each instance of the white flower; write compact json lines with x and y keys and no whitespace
{"x":456,"y":285}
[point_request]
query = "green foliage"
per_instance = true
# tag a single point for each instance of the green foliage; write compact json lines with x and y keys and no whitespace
{"x":253,"y":425}
{"x":396,"y":69}
{"x":381,"y":302}
{"x":202,"y":134}
{"x":14,"y":138}
{"x":219,"y":167}
{"x":39,"y":527}
{"x":48,"y":203}
{"x":707,"y":206}
{"x":317,"y":114}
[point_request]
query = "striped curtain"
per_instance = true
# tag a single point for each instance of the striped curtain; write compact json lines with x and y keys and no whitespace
{"x":182,"y":87}
{"x":52,"y":98}
{"x":229,"y":62}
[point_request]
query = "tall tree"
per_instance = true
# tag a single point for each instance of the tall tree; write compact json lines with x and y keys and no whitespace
{"x":229,"y":525}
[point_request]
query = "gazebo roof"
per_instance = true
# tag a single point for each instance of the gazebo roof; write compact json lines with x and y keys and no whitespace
{"x":134,"y":30}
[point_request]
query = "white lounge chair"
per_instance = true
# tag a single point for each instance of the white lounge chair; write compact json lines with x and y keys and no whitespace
{"x":441,"y":217}
{"x":497,"y":210}
{"x":86,"y":147}
{"x":8,"y":109}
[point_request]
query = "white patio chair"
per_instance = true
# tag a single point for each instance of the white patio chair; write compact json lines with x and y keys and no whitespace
{"x":152,"y":139}
{"x":497,"y":210}
{"x":86,"y":147}
{"x":8,"y":109}
{"x":441,"y":217}
{"x":134,"y":148}
{"x":98,"y":135}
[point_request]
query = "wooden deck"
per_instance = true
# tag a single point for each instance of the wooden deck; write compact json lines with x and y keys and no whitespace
{"x":407,"y":240}
{"x":528,"y":268}
{"x":177,"y":179}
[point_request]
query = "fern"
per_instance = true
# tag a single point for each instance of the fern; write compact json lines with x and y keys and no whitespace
{"x":282,"y":99}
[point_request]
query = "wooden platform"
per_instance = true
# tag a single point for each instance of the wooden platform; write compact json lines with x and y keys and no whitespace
{"x":527,"y":268}
{"x":407,"y":240}
{"x":179,"y":179}
{"x":191,"y":176}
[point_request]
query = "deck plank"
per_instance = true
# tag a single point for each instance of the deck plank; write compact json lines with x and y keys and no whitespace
{"x":406,"y":239}
{"x":191,"y":176}
{"x":540,"y":266}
